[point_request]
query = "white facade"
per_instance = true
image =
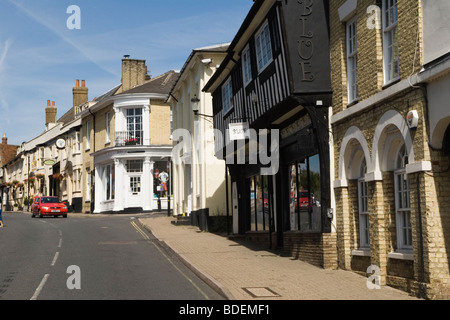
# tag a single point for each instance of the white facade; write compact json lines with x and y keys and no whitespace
{"x":199,"y":177}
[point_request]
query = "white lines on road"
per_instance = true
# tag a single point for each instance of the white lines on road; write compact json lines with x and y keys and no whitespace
{"x":41,"y":286}
{"x":54,"y":259}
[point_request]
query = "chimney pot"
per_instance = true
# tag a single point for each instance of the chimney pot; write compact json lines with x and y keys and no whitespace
{"x":78,"y":83}
{"x":48,"y":103}
{"x":83,"y":83}
{"x":53,"y":103}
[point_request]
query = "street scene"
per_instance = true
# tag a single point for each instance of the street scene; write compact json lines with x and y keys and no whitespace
{"x":251,"y":151}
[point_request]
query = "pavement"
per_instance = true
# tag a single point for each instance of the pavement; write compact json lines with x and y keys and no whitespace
{"x":240,"y":270}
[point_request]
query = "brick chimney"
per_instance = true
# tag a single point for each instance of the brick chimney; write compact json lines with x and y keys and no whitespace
{"x":80,"y":93}
{"x":50,"y":114}
{"x":134,"y":73}
{"x":4,"y":139}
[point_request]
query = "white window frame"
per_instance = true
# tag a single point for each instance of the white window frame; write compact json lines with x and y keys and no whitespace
{"x":88,"y":185}
{"x":263,"y":44}
{"x":227,"y":96}
{"x":403,"y":203}
{"x":391,"y":60}
{"x":108,"y":127}
{"x":352,"y":59}
{"x":247,"y":66}
{"x":88,"y":135}
{"x":363,"y":202}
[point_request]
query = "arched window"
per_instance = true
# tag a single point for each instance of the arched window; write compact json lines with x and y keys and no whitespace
{"x":363,"y":207}
{"x":402,"y":202}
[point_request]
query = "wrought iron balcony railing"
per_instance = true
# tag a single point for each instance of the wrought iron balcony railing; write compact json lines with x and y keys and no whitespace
{"x":126,"y":138}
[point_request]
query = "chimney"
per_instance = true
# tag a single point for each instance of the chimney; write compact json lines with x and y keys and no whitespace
{"x":4,"y":139}
{"x":80,"y":94}
{"x":50,"y":114}
{"x":134,"y":73}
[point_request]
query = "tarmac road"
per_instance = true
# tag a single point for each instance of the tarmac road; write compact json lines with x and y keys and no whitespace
{"x":80,"y":258}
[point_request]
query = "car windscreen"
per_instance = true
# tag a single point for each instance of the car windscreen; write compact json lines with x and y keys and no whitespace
{"x":49,"y":200}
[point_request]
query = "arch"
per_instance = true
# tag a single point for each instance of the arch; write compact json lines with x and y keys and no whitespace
{"x":439,"y":132}
{"x":390,"y":134}
{"x":352,"y":154}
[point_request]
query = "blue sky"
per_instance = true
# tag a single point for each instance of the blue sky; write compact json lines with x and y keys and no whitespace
{"x":40,"y":58}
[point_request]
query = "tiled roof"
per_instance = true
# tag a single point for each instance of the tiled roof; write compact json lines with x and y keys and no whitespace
{"x":159,"y":85}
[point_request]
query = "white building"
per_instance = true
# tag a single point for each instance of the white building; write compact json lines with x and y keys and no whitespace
{"x":199,"y":177}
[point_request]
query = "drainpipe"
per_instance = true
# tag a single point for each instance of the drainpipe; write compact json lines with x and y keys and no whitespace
{"x":422,"y":266}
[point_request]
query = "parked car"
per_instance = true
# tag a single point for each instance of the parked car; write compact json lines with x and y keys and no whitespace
{"x":48,"y":207}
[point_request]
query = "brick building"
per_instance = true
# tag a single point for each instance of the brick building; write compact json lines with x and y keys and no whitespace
{"x":387,"y":68}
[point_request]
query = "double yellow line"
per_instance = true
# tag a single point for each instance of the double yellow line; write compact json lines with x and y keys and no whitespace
{"x":146,"y":237}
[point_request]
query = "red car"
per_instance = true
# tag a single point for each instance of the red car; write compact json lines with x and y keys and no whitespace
{"x":48,"y":207}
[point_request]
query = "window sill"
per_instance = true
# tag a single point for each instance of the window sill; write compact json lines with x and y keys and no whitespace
{"x":391,"y":83}
{"x":401,"y":255}
{"x":363,"y":252}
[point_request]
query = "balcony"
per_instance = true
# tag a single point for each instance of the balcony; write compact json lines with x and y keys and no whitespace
{"x":126,"y":138}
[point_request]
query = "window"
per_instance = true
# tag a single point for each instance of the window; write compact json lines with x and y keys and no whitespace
{"x":304,"y":195}
{"x":108,"y":127}
{"x":135,"y":166}
{"x":352,"y":60}
{"x":88,"y":135}
{"x":134,"y":125}
{"x":402,"y":203}
{"x":390,"y":41}
{"x":263,"y":47}
{"x":135,"y":185}
{"x":363,"y":208}
{"x":77,"y":180}
{"x":76,"y":143}
{"x":259,"y":203}
{"x":246,"y":66}
{"x":227,"y":96}
{"x":108,"y":182}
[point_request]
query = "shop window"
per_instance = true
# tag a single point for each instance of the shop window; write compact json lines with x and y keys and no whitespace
{"x":305,"y":195}
{"x":259,"y":203}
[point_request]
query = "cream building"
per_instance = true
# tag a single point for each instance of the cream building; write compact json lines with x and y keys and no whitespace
{"x":199,"y":177}
{"x":51,"y":163}
{"x":126,"y":142}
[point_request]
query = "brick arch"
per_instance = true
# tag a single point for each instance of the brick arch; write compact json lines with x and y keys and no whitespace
{"x":386,"y":145}
{"x":439,"y":133}
{"x":351,"y":156}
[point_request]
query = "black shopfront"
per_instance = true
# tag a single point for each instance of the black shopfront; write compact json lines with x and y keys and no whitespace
{"x":277,"y":80}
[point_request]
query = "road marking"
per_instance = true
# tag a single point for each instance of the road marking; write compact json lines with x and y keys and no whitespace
{"x":168,"y":259}
{"x":60,"y":243}
{"x":54,"y":259}
{"x":41,"y":286}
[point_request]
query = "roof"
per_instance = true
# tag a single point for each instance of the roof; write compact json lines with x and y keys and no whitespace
{"x":219,"y":48}
{"x":160,"y":85}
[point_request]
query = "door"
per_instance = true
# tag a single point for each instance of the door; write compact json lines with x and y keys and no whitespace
{"x":135,"y":191}
{"x":235,"y":204}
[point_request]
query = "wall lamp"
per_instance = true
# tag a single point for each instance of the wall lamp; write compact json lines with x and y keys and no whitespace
{"x":195,"y":101}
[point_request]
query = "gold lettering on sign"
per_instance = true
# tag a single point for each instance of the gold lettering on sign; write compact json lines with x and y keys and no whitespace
{"x":305,"y":45}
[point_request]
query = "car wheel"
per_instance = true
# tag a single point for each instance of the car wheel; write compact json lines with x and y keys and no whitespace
{"x":65,"y":216}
